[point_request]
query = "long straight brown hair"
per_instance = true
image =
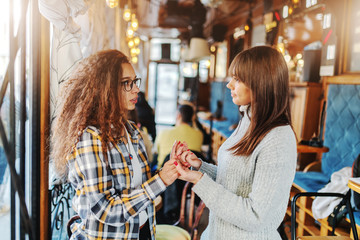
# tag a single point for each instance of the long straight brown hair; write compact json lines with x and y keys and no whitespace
{"x":263,"y":70}
{"x":92,"y":96}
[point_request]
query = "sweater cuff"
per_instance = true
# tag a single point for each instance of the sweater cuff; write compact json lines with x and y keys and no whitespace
{"x":204,"y":168}
{"x":154,"y":187}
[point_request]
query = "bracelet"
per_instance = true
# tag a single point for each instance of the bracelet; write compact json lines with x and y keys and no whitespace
{"x":158,"y":171}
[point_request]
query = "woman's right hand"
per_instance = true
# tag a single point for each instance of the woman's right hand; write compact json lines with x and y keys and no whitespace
{"x":169,"y":173}
{"x":189,"y":157}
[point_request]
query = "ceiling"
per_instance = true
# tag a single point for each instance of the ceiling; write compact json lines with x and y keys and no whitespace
{"x":175,"y":18}
{"x":179,"y":18}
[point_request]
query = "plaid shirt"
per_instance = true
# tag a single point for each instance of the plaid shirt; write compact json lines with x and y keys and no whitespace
{"x":107,"y":202}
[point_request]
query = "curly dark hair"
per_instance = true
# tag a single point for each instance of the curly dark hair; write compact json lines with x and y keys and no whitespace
{"x":92,"y":96}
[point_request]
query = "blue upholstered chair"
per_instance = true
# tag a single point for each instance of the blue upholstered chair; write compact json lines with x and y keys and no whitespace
{"x":342,"y":135}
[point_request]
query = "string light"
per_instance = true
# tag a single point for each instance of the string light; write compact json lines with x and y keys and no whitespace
{"x":134,"y":59}
{"x":134,"y":22}
{"x":131,"y":43}
{"x":127,"y":14}
{"x":130,"y":33}
{"x":133,"y":51}
{"x":112,"y":3}
{"x":136,"y":41}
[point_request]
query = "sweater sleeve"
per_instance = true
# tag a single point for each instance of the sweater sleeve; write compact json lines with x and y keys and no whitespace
{"x":209,"y":169}
{"x":273,"y":176}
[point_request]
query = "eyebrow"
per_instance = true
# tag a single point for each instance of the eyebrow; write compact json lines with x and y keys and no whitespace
{"x":128,"y":78}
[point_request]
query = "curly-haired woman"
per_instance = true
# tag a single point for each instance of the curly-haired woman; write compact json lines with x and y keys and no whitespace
{"x":103,"y":155}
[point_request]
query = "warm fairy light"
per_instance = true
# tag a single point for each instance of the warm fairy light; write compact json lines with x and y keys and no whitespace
{"x":130,"y":33}
{"x":298,"y":56}
{"x":112,"y":3}
{"x":134,"y":59}
{"x":247,"y":27}
{"x":127,"y":14}
{"x":212,"y":48}
{"x":134,"y":22}
{"x":136,"y":41}
{"x":290,"y":10}
{"x":137,"y":51}
{"x":131,"y":43}
{"x":133,"y":51}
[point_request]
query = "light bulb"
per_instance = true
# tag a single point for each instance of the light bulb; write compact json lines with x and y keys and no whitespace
{"x":137,"y":41}
{"x":131,"y":43}
{"x":112,"y":3}
{"x":127,"y":14}
{"x":130,"y":33}
{"x":134,"y":59}
{"x":134,"y":22}
{"x":133,"y":51}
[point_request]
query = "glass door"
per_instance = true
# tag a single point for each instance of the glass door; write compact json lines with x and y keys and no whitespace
{"x":163,"y":91}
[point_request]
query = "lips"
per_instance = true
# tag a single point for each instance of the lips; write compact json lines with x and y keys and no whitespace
{"x":134,"y":100}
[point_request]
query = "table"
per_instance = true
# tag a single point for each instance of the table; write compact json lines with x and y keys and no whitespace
{"x":210,"y":117}
{"x":354,"y":184}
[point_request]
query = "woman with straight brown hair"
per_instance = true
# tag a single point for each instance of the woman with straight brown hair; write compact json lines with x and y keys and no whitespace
{"x":103,"y":155}
{"x":248,"y":191}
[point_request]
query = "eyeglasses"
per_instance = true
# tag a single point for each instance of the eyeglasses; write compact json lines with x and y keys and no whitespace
{"x":129,"y":84}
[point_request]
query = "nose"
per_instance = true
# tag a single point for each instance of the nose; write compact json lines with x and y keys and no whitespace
{"x":229,"y":85}
{"x":135,"y":89}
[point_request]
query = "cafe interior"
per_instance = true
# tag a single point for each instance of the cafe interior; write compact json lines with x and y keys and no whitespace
{"x":182,"y":50}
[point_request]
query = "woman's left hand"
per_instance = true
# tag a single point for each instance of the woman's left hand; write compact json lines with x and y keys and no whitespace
{"x":187,"y":174}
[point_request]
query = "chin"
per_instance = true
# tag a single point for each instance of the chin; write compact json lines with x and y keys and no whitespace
{"x":131,"y":107}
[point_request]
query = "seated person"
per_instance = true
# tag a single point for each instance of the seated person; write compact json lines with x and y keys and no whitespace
{"x":146,"y":115}
{"x":183,"y":131}
{"x":132,"y":116}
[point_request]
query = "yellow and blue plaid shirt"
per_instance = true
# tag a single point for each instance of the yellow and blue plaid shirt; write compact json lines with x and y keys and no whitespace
{"x":106,"y":199}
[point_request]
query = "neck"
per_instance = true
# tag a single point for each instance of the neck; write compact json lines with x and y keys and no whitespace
{"x":179,"y":122}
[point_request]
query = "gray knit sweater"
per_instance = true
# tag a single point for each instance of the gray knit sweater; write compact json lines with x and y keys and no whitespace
{"x":248,"y":196}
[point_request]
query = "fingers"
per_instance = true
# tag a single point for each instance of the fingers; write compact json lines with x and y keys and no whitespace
{"x":184,"y":156}
{"x":180,"y":149}
{"x":174,"y":148}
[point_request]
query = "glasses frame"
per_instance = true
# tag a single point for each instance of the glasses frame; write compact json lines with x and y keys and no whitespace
{"x":129,"y":86}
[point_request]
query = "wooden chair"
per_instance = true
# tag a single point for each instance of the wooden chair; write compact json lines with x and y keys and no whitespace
{"x":345,"y":198}
{"x":70,"y":222}
{"x":189,"y":219}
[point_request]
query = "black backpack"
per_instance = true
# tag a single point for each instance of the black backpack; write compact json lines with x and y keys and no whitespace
{"x":340,"y":210}
{"x":355,"y":197}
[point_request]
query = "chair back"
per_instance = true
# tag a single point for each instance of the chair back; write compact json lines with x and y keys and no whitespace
{"x":190,"y":214}
{"x":342,"y":127}
{"x":344,"y":197}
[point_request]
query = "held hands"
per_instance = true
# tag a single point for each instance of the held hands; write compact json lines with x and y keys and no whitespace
{"x":169,"y":172}
{"x":181,"y":158}
{"x":186,"y":158}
